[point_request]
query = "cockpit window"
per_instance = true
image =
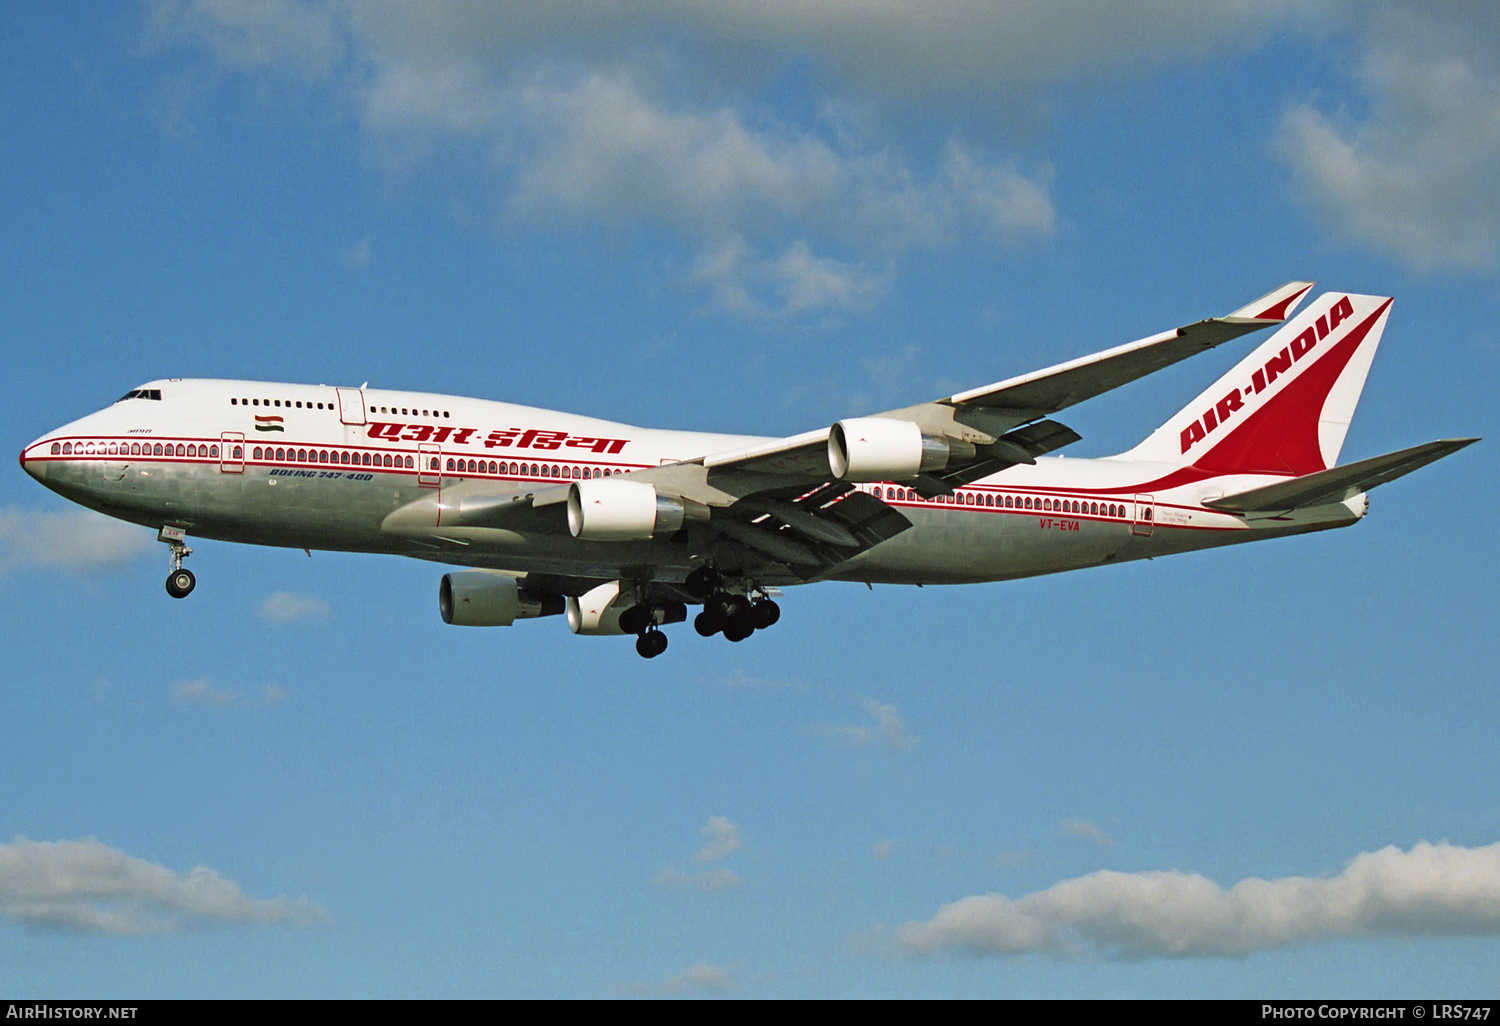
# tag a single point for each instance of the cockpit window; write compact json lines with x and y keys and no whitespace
{"x":141,"y":393}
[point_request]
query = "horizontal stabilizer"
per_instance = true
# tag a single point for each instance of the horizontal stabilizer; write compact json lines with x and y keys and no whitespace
{"x":1337,"y":483}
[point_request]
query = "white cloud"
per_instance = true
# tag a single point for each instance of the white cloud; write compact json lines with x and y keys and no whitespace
{"x":700,"y":978}
{"x":1008,"y":203}
{"x":1086,"y":831}
{"x":610,"y":149}
{"x":72,"y":541}
{"x":1414,"y":175}
{"x":577,"y":111}
{"x":721,"y":839}
{"x":785,"y":218}
{"x":887,"y":730}
{"x":202,"y":692}
{"x":795,"y":281}
{"x":285,"y":606}
{"x":86,"y":886}
{"x":761,"y":201}
{"x":253,"y":33}
{"x":358,"y":254}
{"x":886,"y":47}
{"x":1431,"y":890}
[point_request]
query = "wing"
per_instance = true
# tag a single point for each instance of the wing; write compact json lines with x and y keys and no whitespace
{"x":1004,"y":423}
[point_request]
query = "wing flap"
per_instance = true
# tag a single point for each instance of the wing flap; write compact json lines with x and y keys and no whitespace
{"x":1337,"y":483}
{"x":814,"y":534}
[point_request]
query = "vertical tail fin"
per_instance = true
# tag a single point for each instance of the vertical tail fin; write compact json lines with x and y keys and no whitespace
{"x":1286,"y":407}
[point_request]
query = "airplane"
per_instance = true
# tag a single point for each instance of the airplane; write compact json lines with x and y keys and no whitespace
{"x":621,"y":528}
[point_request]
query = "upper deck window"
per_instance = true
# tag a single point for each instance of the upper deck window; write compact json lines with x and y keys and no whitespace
{"x":141,"y":393}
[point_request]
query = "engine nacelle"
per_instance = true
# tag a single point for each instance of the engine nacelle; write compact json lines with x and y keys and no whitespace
{"x":475,"y":598}
{"x":881,"y":449}
{"x":596,"y":612}
{"x":609,"y":509}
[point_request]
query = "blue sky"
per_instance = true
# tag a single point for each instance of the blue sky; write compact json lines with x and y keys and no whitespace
{"x":749,"y":217}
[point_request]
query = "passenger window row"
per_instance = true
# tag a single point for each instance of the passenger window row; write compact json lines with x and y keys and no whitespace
{"x":330,"y":457}
{"x":991,"y":500}
{"x":134,"y":449}
{"x":333,"y":456}
{"x":523,"y":469}
{"x":405,"y":411}
{"x":287,"y":403}
{"x":408,"y":411}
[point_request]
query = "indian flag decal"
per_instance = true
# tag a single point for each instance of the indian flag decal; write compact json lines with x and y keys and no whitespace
{"x":268,"y":423}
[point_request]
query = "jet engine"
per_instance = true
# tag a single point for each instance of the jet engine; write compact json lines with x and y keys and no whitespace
{"x":475,"y":598}
{"x":597,"y":611}
{"x":880,"y":449}
{"x":609,"y":509}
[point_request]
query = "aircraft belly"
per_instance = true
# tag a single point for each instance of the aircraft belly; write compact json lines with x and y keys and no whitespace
{"x":961,"y":546}
{"x":254,"y":506}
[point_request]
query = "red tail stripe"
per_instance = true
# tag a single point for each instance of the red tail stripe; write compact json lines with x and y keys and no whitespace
{"x":1281,"y":436}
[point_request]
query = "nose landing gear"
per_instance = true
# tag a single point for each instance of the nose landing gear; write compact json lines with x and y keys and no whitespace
{"x":180,"y":582}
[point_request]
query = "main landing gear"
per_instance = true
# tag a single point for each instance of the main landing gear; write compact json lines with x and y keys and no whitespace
{"x":644,"y":619}
{"x":736,"y":614}
{"x":180,"y":582}
{"x":737,"y":609}
{"x":651,"y":643}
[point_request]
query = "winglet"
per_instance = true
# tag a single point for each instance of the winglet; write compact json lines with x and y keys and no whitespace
{"x":1275,"y":305}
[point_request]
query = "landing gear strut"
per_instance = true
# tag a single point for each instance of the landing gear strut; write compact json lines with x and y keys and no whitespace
{"x":703,"y":582}
{"x":180,"y":582}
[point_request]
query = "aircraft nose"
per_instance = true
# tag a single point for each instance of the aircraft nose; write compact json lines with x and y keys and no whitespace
{"x":34,"y":458}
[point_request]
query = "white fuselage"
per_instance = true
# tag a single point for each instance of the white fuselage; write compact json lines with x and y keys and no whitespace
{"x":319,"y":467}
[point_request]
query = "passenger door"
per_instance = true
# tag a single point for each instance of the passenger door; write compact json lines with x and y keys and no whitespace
{"x":1145,"y":515}
{"x":351,"y":405}
{"x":231,"y":452}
